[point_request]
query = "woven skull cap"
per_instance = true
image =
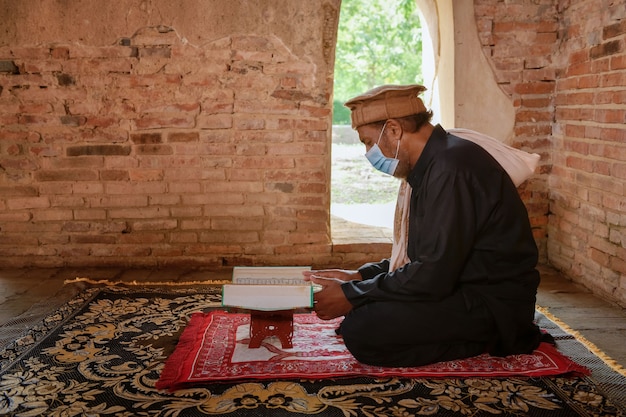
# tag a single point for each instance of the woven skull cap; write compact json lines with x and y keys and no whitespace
{"x":386,"y":102}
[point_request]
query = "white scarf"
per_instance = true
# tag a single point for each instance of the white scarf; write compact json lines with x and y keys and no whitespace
{"x":518,"y":164}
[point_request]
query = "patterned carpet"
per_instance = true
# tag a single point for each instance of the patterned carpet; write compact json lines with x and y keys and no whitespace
{"x":101,"y":353}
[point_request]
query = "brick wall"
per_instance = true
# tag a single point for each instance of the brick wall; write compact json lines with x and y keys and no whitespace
{"x":156,"y":152}
{"x":588,"y":201}
{"x":519,"y":39}
{"x":563,"y":63}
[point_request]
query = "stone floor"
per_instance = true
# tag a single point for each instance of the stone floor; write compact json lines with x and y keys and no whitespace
{"x":601,"y":323}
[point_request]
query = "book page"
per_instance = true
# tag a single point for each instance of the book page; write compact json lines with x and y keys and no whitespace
{"x":267,"y":297}
{"x":270,"y":275}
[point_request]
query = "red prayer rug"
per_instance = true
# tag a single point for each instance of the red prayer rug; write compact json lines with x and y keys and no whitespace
{"x":214,"y":348}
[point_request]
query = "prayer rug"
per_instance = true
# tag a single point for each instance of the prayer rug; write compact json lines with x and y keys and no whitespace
{"x":214,"y":347}
{"x":102,"y":352}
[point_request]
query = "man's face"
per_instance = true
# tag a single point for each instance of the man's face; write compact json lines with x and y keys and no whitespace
{"x":388,"y":144}
{"x":369,"y":134}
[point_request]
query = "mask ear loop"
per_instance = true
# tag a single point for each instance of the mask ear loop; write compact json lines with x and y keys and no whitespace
{"x":397,"y":149}
{"x":381,"y":136}
{"x":381,"y":133}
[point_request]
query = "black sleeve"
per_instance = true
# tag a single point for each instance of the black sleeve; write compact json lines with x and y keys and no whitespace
{"x":370,"y":270}
{"x":452,"y":207}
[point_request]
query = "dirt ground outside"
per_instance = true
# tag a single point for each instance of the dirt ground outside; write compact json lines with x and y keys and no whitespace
{"x":360,"y":193}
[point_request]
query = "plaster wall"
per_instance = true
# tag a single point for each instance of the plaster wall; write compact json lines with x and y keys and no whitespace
{"x":452,"y":38}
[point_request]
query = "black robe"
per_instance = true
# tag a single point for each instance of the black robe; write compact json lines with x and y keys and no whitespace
{"x":472,"y":281}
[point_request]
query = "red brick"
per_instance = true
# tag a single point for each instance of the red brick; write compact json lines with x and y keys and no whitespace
{"x":533,"y":116}
{"x":114,"y":175}
{"x":164,"y":121}
{"x":618,"y":170}
{"x":580,"y":68}
{"x":184,"y":187}
{"x":602,"y":97}
{"x":601,"y":65}
{"x":579,"y":98}
{"x":536,"y":102}
{"x":618,"y":264}
{"x":98,"y":150}
{"x":183,"y":137}
{"x":580,"y":164}
{"x":532,"y":129}
{"x":183,"y":237}
{"x":614,"y":79}
{"x":89,"y":214}
{"x":271,"y":163}
{"x":119,"y":201}
{"x":588,"y":81}
{"x":18,"y":190}
{"x":608,"y":48}
{"x":146,"y":138}
{"x":610,"y":116}
{"x":91,"y":188}
{"x":52,"y":215}
{"x":67,"y":200}
{"x":613,"y":202}
{"x":28,"y":203}
{"x":614,"y":30}
{"x":578,"y":57}
{"x":602,"y":167}
{"x":138,"y":213}
{"x":29,"y":119}
{"x":249,"y":123}
{"x":235,"y":224}
{"x":143,"y":175}
{"x":535,"y":88}
{"x":66,"y":175}
{"x":581,"y":148}
{"x":216,"y":121}
{"x":15,"y":216}
{"x":186,"y":174}
{"x":135,"y":188}
{"x":154,"y":150}
{"x":618,"y":62}
{"x":154,"y":225}
{"x":85,"y":51}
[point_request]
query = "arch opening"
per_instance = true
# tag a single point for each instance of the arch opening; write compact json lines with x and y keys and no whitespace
{"x":372,"y":35}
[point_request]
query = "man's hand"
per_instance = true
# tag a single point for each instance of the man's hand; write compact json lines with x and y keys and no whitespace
{"x":330,"y":301}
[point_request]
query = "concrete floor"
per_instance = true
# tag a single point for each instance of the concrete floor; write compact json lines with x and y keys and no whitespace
{"x":599,"y":322}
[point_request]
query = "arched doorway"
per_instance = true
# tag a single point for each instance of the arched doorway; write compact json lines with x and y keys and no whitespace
{"x":379,"y":42}
{"x":462,"y":89}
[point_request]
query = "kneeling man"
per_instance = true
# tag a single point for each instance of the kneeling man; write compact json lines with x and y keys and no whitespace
{"x":468,"y":281}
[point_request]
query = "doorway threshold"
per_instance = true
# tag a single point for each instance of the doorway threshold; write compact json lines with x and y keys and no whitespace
{"x":344,"y":231}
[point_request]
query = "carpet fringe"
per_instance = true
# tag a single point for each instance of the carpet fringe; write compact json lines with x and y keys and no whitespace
{"x":147,"y":283}
{"x":611,"y":363}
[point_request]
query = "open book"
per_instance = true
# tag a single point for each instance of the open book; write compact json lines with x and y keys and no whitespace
{"x":268,"y":288}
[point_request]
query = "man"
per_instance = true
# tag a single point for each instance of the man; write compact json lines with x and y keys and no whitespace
{"x":469,"y":282}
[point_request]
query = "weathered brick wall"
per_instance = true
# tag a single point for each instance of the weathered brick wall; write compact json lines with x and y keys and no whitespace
{"x":588,"y":202}
{"x":563,"y":63}
{"x":519,"y":38}
{"x":154,"y":151}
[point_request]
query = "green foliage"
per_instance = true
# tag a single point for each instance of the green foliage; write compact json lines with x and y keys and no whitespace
{"x":341,"y":114}
{"x":379,"y":42}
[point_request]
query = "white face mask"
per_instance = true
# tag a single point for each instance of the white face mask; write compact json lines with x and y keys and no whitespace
{"x":379,"y":160}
